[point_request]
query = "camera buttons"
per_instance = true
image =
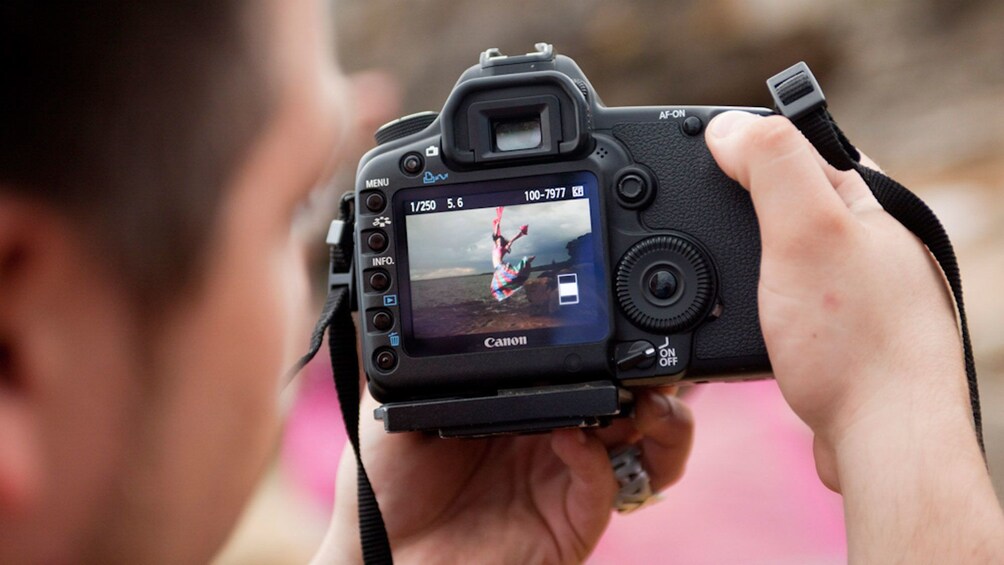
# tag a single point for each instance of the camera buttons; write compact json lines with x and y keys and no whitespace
{"x":375,"y":202}
{"x":692,"y":125}
{"x":631,"y":188}
{"x":635,"y":187}
{"x":377,"y":241}
{"x":665,"y":284}
{"x":382,"y":321}
{"x":379,"y":280}
{"x":412,"y":164}
{"x":385,"y":359}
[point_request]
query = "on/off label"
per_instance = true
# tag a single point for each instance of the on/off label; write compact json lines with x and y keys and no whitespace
{"x":667,"y":355}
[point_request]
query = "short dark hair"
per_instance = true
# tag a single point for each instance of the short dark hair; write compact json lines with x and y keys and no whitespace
{"x":130,"y":117}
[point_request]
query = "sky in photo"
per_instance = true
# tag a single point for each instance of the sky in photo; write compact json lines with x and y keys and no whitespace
{"x":459,"y":243}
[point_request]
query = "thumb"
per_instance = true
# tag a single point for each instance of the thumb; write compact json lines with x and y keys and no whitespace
{"x":796,"y":204}
{"x":592,"y":487}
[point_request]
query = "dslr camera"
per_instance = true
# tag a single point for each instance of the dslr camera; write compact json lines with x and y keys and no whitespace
{"x":527,"y":256}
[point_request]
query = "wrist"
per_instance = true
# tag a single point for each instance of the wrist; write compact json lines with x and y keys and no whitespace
{"x":914,"y":480}
{"x":923,"y":429}
{"x":900,"y":401}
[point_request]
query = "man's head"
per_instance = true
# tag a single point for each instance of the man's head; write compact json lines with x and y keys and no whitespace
{"x":152,"y":156}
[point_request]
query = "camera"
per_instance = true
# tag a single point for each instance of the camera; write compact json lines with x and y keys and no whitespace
{"x":526,"y":257}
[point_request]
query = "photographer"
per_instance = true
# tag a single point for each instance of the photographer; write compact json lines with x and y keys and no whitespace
{"x":152,"y":158}
{"x":152,"y":292}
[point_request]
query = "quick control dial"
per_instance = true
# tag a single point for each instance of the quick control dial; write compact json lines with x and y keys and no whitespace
{"x":665,"y":284}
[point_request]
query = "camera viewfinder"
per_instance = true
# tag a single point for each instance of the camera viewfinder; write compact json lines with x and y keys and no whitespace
{"x":517,"y":135}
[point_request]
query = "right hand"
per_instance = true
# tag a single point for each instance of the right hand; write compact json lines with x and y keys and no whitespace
{"x":858,"y":321}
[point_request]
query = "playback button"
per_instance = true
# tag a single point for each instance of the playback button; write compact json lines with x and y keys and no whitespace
{"x":379,"y":280}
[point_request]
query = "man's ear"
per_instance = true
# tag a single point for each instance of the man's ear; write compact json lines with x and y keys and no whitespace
{"x":19,"y":441}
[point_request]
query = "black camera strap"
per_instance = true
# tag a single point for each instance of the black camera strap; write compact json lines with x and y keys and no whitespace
{"x":336,"y":319}
{"x":797,"y":96}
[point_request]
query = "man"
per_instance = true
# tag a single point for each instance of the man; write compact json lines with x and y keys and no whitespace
{"x":151,"y":293}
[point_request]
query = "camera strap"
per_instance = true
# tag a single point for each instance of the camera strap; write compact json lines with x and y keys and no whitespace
{"x":336,"y":320}
{"x":797,"y":96}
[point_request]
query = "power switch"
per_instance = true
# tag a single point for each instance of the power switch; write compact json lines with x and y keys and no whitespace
{"x":641,"y":355}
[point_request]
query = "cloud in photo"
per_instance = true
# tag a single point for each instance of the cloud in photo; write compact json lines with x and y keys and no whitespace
{"x":458,"y":243}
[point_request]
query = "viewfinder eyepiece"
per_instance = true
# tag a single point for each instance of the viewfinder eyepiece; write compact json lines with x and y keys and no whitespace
{"x":517,"y":135}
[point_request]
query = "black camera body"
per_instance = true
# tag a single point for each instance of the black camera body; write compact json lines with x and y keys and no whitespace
{"x":528,"y":255}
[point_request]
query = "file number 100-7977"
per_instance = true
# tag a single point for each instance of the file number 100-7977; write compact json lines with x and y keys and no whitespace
{"x":538,"y":194}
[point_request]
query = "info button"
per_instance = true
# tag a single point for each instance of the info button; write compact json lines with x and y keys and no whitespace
{"x":378,"y":279}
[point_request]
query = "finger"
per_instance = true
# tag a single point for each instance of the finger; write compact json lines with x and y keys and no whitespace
{"x":867,"y":161}
{"x":668,"y":390}
{"x":623,"y":431}
{"x":667,"y":427}
{"x":850,"y":187}
{"x":620,"y":432}
{"x":592,"y":486}
{"x":795,"y":202}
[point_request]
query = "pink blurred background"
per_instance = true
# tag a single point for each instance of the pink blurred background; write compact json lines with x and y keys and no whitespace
{"x":750,"y":493}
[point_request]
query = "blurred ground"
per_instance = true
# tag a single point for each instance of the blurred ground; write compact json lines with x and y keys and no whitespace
{"x":917,"y":84}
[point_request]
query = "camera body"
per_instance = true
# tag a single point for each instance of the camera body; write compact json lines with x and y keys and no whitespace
{"x":527,"y":256}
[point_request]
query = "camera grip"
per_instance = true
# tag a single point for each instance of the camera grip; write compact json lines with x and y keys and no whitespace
{"x":695,"y":197}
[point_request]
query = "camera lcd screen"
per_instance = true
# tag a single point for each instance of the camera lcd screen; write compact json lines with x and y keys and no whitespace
{"x":502,"y":264}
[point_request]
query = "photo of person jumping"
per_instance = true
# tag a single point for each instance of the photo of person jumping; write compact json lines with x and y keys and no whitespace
{"x":454,"y":289}
{"x":508,"y":277}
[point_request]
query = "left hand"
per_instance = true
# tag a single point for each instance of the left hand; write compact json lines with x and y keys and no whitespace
{"x":511,"y":499}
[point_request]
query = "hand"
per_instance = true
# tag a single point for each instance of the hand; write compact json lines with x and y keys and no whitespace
{"x":854,"y":310}
{"x":861,"y":332}
{"x":512,"y":499}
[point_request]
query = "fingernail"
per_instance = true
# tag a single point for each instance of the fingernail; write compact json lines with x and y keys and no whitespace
{"x":726,"y":123}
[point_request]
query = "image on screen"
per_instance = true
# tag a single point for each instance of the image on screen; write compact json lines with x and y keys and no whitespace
{"x":521,"y":262}
{"x":497,"y":269}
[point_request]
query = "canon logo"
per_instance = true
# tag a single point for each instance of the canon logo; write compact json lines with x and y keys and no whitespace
{"x":491,"y":342}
